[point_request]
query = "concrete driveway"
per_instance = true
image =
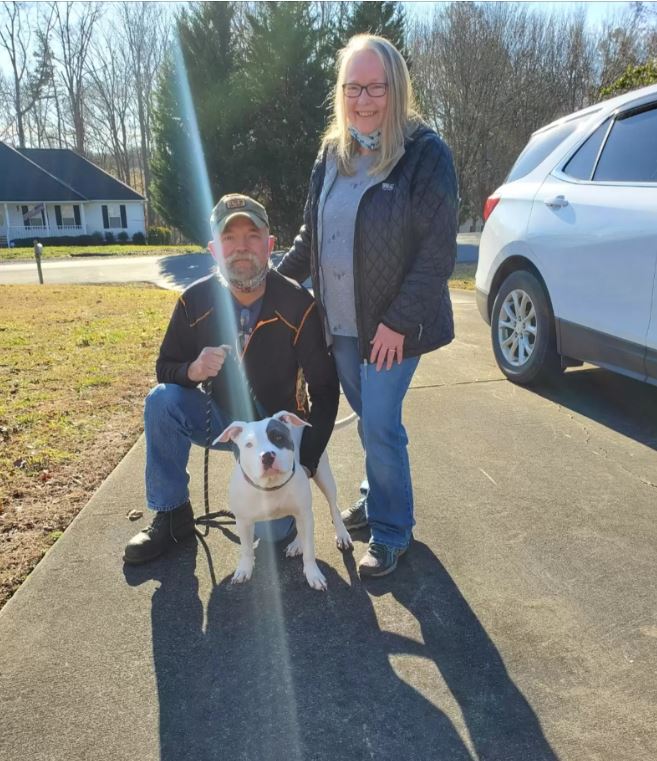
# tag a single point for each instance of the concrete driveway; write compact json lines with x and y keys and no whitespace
{"x":521,"y":626}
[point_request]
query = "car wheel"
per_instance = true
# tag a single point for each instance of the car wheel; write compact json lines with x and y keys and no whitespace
{"x":522,"y":329}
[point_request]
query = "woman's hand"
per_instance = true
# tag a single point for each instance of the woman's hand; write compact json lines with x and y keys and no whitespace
{"x":386,"y":347}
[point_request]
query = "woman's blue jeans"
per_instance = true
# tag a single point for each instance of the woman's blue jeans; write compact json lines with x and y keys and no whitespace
{"x":377,"y":399}
{"x":175,"y":417}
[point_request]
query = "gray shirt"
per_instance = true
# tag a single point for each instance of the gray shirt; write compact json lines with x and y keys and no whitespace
{"x":336,"y":262}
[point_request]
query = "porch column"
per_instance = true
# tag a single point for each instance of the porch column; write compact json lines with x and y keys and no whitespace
{"x":83,"y":219}
{"x":7,"y":222}
{"x":45,"y":212}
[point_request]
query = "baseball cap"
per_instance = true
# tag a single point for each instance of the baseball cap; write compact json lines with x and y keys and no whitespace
{"x":235,"y":205}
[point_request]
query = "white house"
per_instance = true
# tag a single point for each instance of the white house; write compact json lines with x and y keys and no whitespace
{"x":48,"y":193}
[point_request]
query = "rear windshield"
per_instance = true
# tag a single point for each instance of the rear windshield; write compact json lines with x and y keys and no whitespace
{"x":540,"y":147}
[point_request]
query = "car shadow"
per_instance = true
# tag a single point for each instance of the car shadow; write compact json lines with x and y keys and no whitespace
{"x":623,"y":404}
{"x":184,"y":269}
{"x":275,"y":670}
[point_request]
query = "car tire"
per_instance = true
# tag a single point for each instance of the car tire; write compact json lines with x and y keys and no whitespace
{"x":522,"y":331}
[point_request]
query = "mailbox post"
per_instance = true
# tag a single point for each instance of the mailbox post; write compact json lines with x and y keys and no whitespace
{"x":38,"y":250}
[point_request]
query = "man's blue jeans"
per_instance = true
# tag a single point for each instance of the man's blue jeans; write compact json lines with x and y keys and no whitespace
{"x":377,"y":399}
{"x":175,"y":417}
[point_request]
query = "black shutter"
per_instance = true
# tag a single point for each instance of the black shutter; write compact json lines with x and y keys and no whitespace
{"x":124,"y":218}
{"x":26,"y":219}
{"x":58,"y":215}
{"x":76,"y":214}
{"x":105,"y":218}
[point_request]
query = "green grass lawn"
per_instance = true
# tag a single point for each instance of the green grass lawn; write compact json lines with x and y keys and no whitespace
{"x":129,"y":249}
{"x":75,"y":364}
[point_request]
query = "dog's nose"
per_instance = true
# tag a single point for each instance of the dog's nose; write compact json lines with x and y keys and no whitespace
{"x":268,"y":459}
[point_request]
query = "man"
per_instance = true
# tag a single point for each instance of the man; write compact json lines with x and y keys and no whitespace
{"x":256,"y":336}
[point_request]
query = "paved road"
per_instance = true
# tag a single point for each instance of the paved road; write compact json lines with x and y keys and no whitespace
{"x":165,"y":271}
{"x":521,"y":626}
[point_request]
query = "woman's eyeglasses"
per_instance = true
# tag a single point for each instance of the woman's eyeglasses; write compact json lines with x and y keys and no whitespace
{"x":374,"y":90}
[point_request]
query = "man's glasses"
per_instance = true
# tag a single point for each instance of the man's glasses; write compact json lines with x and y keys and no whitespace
{"x":374,"y":90}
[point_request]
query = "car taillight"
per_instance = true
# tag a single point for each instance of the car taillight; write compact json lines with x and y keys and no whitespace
{"x":491,"y":203}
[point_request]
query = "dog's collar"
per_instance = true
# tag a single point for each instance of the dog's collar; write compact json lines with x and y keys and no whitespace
{"x":268,"y":488}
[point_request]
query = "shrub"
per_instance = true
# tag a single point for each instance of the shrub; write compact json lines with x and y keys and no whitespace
{"x":159,"y":236}
{"x":109,"y":237}
{"x":97,"y":237}
{"x":139,"y":239}
{"x":123,"y":237}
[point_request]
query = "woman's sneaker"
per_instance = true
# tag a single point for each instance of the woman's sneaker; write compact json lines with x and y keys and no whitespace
{"x":379,"y":560}
{"x":355,"y":517}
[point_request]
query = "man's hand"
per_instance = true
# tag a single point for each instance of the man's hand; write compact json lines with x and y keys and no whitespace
{"x":387,"y":345}
{"x":208,"y":363}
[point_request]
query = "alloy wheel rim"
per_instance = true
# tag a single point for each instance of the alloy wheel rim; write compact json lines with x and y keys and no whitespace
{"x":516,"y":328}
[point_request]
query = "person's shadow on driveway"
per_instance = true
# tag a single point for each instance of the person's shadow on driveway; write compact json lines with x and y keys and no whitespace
{"x":279,"y":671}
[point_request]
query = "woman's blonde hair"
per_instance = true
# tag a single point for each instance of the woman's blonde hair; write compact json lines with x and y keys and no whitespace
{"x":400,"y":118}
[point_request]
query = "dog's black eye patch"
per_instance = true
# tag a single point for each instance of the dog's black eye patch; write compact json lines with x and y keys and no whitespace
{"x":279,"y":435}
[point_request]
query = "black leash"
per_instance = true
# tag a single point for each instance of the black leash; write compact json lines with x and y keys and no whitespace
{"x":205,"y":519}
{"x":207,"y":388}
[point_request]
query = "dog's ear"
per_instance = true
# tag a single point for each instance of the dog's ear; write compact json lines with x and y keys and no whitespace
{"x":231,"y":433}
{"x":290,"y":419}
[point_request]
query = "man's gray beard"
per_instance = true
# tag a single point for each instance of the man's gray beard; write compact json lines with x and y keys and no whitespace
{"x":241,"y":283}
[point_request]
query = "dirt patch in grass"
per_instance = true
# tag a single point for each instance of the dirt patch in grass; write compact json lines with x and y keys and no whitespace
{"x":75,"y":365}
{"x":66,"y":252}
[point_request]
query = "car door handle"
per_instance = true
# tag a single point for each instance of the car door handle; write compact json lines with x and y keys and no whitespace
{"x":558,"y":202}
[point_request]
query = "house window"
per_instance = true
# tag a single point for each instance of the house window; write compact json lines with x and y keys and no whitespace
{"x":67,"y":215}
{"x":114,"y":215}
{"x":33,"y":216}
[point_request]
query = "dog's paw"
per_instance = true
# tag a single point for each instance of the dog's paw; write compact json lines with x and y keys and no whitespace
{"x":294,"y":548}
{"x":242,"y":573}
{"x":343,"y":540}
{"x":315,"y":577}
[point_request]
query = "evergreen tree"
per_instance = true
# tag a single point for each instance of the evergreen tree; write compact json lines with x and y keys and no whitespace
{"x":283,"y":86}
{"x":208,"y":44}
{"x":387,"y":19}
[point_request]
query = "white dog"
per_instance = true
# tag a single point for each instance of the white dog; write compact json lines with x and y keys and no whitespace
{"x":268,"y":482}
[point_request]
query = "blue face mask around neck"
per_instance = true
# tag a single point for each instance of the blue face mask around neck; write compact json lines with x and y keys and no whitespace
{"x":372,"y":141}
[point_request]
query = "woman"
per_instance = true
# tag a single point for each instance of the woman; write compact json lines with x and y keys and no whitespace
{"x":379,"y":242}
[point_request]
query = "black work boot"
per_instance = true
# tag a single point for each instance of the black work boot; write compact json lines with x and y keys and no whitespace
{"x":167,"y":529}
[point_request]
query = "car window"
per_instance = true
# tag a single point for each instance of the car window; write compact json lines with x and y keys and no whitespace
{"x":630,"y":153}
{"x":540,"y":147}
{"x":581,"y":164}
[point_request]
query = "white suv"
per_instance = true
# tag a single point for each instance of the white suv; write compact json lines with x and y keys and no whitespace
{"x":568,"y":254}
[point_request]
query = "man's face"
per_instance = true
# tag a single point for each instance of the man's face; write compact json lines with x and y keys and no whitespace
{"x":242,"y":250}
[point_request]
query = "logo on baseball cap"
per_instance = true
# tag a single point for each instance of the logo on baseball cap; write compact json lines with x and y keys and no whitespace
{"x":236,"y":205}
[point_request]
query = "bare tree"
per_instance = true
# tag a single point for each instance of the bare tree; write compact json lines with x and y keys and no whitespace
{"x":110,"y":97}
{"x":74,"y":24}
{"x":488,"y":75}
{"x":145,"y":34}
{"x":28,"y":75}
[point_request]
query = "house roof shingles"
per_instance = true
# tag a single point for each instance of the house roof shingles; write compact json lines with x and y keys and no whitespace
{"x":22,"y":180}
{"x":56,"y":174}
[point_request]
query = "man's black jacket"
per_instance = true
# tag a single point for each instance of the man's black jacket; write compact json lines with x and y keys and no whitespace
{"x":404,"y":246}
{"x":285,"y":346}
